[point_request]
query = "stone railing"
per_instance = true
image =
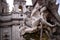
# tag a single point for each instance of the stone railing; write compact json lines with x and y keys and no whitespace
{"x":5,"y":18}
{"x":11,"y":19}
{"x":17,"y":16}
{"x":11,"y":16}
{"x":10,"y":23}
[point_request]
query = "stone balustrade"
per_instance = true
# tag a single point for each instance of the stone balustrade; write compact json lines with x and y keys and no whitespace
{"x":12,"y":19}
{"x":16,"y":16}
{"x":12,"y":16}
{"x":10,"y":23}
{"x":5,"y":18}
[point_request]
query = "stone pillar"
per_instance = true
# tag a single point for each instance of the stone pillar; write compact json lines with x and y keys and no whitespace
{"x":5,"y":33}
{"x":15,"y":32}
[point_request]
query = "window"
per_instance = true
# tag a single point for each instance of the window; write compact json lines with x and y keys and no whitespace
{"x":20,"y":8}
{"x":2,"y":10}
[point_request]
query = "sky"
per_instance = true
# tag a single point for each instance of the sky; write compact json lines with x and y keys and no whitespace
{"x":10,"y":3}
{"x":29,"y":2}
{"x":58,"y":1}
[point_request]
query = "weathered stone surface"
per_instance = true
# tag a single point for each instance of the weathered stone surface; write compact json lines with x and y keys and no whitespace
{"x":37,"y":22}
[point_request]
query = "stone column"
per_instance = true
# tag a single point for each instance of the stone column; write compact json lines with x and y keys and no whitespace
{"x":15,"y":32}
